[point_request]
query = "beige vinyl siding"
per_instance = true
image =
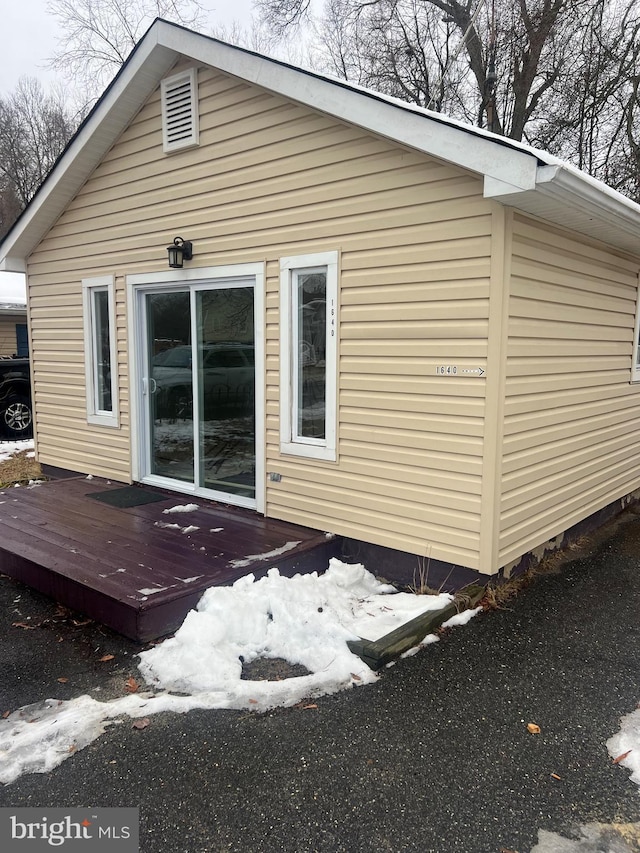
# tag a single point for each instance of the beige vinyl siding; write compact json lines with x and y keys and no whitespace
{"x":64,"y":437}
{"x":8,"y":338}
{"x":272,"y":179}
{"x":409,"y":441}
{"x":571,"y":442}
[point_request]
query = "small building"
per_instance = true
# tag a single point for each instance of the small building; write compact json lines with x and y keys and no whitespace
{"x":13,"y":329}
{"x":381,"y":323}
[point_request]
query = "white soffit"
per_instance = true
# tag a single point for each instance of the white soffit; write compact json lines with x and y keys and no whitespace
{"x":573,"y":200}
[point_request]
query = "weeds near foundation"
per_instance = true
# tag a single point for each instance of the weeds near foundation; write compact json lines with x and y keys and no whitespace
{"x":420,"y":584}
{"x":499,"y":592}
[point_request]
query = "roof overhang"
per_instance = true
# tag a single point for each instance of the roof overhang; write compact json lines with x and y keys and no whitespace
{"x":514,"y":174}
{"x":569,"y":198}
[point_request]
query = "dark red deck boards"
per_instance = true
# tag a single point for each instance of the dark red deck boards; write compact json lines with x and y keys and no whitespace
{"x":98,"y":558}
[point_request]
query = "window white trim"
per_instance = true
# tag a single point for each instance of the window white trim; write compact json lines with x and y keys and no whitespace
{"x":290,"y":441}
{"x":179,"y":98}
{"x":635,"y":359}
{"x":95,"y":414}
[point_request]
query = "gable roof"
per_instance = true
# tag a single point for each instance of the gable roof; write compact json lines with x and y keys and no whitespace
{"x":514,"y":173}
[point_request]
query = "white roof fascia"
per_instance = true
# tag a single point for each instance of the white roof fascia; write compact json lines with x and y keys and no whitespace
{"x":563,"y":192}
{"x":112,"y":114}
{"x":393,"y":120}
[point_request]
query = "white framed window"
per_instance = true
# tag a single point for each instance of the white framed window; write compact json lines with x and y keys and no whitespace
{"x":179,"y":97}
{"x":308,"y":355}
{"x":100,"y":351}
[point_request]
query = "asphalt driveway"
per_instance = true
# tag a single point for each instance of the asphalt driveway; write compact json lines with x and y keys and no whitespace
{"x":435,"y":757}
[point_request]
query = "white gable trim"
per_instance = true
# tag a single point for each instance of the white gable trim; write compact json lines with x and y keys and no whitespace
{"x":516,"y":175}
{"x":138,"y":78}
{"x":394,"y":120}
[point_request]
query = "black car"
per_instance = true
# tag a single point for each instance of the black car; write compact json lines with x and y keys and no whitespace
{"x":16,"y":416}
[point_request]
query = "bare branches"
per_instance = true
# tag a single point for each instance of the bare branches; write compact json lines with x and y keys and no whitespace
{"x":279,"y":16}
{"x":34,"y":129}
{"x":98,"y":35}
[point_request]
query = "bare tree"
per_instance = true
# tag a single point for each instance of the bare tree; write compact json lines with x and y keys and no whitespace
{"x":513,"y":50}
{"x":561,"y":74}
{"x":99,"y":35}
{"x":34,"y":129}
{"x":396,"y":48}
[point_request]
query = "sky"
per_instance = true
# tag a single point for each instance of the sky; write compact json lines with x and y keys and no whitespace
{"x":34,"y":35}
{"x":12,"y":287}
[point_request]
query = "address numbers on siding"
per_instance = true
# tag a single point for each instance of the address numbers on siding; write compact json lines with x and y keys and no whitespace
{"x":454,"y":370}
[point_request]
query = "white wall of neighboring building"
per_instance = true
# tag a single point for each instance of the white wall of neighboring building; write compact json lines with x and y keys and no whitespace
{"x":12,"y":287}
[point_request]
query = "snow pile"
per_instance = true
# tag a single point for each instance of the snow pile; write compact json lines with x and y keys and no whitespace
{"x":305,"y":620}
{"x":627,"y":743}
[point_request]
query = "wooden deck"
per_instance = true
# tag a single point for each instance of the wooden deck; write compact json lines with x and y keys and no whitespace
{"x":124,"y":568}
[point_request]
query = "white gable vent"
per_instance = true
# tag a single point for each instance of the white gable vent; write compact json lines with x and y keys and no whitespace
{"x":180,"y":110}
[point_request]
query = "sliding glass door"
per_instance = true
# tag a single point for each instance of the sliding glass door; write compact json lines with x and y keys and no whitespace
{"x":198,"y":388}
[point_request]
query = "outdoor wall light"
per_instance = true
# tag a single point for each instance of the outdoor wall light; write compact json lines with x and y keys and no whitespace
{"x":180,"y":250}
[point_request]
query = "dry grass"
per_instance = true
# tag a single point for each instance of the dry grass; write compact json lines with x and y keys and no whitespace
{"x":19,"y":468}
{"x":421,"y":582}
{"x":499,"y":592}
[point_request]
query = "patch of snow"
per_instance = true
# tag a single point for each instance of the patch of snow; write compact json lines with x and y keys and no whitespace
{"x":9,"y":448}
{"x":252,"y":558}
{"x":153,"y":590}
{"x":216,"y":530}
{"x":594,"y":838}
{"x":191,"y":529}
{"x":627,"y":740}
{"x":461,"y":618}
{"x":190,"y":580}
{"x":427,"y":641}
{"x":181,"y":508}
{"x":307,"y":620}
{"x":167,"y":525}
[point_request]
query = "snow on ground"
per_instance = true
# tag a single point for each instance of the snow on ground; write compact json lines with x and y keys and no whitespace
{"x":627,"y":743}
{"x":180,"y":508}
{"x":304,"y":620}
{"x":8,"y":448}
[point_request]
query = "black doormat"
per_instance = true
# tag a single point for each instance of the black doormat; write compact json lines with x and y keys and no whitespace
{"x":128,"y":496}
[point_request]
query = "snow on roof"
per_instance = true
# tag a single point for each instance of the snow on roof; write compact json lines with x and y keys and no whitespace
{"x":514,"y":173}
